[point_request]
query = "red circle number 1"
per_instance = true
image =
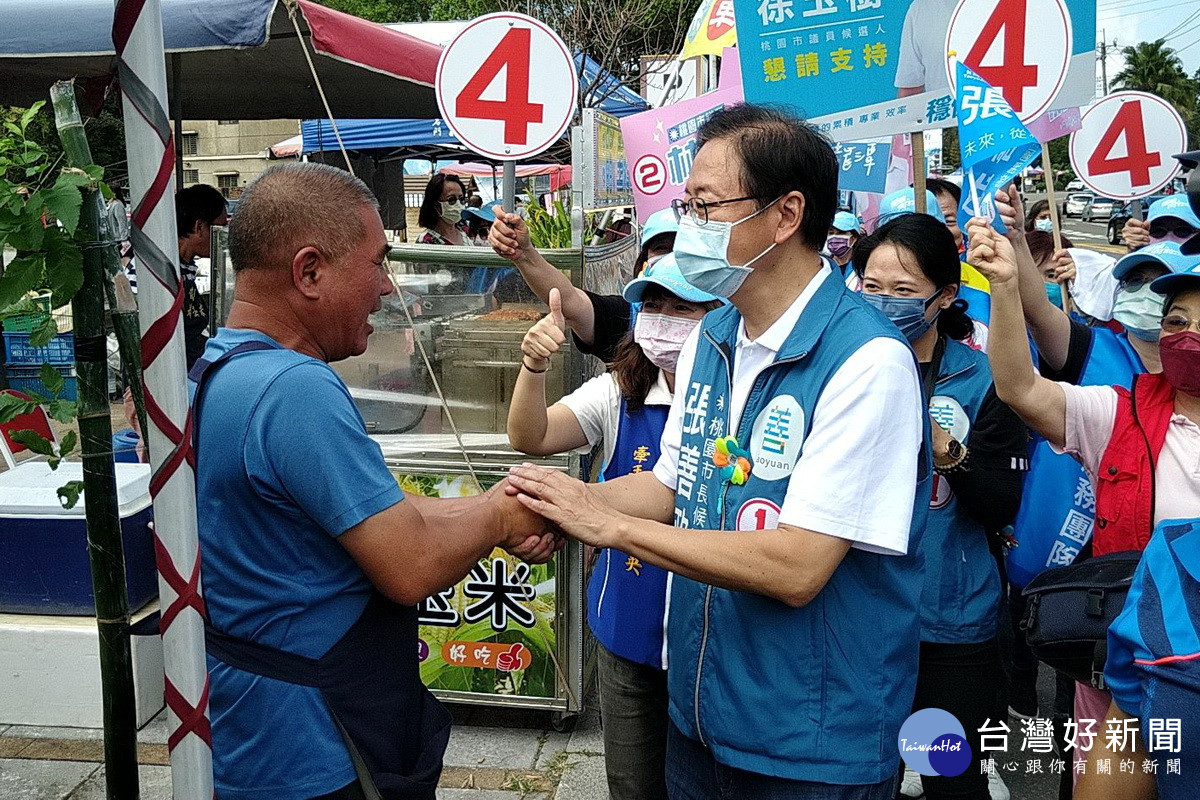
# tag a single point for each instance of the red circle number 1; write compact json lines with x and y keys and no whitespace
{"x":515,"y":110}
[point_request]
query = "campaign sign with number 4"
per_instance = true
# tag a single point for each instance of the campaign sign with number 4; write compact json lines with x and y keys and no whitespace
{"x":1124,"y":149}
{"x":486,"y":92}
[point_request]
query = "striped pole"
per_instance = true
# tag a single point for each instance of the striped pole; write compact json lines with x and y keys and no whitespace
{"x":150,"y":149}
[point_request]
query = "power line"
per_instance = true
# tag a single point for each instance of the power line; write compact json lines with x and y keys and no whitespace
{"x":1134,"y":12}
{"x":1171,"y":34}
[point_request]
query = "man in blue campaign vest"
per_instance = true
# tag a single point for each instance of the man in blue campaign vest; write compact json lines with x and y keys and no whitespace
{"x":794,"y":469}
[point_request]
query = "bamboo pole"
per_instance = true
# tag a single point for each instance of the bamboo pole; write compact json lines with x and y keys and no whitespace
{"x":105,"y":549}
{"x":1048,"y":174}
{"x":917,"y":141}
{"x":149,"y":145}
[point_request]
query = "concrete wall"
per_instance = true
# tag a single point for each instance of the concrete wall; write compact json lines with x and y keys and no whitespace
{"x":224,"y":148}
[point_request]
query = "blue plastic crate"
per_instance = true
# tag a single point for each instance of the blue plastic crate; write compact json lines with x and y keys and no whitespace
{"x":60,"y":351}
{"x":29,"y":379}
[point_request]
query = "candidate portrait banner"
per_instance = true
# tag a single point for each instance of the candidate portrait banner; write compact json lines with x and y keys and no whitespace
{"x":661,"y":143}
{"x":711,"y":31}
{"x":861,"y":69}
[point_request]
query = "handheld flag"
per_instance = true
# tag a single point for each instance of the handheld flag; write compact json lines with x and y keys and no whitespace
{"x":711,"y":31}
{"x":995,"y":145}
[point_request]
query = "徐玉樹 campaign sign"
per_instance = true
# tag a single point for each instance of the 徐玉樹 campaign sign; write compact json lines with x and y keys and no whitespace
{"x":859,"y":69}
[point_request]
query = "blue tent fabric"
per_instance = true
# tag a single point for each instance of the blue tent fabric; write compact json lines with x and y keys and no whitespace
{"x":373,"y":134}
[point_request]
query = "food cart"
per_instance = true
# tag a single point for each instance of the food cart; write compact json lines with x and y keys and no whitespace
{"x":433,"y":388}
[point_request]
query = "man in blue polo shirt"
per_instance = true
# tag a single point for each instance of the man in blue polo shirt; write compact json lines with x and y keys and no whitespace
{"x":314,"y":559}
{"x":794,"y":472}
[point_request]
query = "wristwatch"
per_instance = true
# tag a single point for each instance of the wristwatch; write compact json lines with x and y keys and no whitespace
{"x":955,"y":460}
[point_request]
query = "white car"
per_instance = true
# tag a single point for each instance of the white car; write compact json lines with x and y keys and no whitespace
{"x":1075,"y":203}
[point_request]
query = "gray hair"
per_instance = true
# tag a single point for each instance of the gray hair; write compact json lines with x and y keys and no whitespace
{"x":296,"y":205}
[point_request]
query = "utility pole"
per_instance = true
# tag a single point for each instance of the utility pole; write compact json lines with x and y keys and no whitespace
{"x":1104,"y":60}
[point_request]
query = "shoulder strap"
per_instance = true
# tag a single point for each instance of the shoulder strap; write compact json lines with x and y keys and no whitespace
{"x":203,"y":370}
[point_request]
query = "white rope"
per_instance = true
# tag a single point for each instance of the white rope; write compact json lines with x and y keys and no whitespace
{"x":293,"y":10}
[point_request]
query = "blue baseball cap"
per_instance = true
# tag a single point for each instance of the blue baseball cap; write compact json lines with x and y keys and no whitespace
{"x":846,"y":222}
{"x":484,"y":213}
{"x":1175,"y":205}
{"x":659,"y":222}
{"x":1180,"y":280}
{"x":903,"y":201}
{"x":665,"y":273}
{"x":1164,"y":254}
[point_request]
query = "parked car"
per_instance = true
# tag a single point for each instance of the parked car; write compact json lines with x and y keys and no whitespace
{"x":1074,"y":203}
{"x":1099,"y":208}
{"x":1075,"y":186}
{"x":1121,"y":215}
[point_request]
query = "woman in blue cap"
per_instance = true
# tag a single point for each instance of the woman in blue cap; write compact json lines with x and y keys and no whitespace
{"x":624,"y":410}
{"x":599,"y":321}
{"x":843,"y":235}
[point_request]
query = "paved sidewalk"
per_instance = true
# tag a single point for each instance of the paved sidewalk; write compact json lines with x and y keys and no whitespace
{"x":494,"y":754}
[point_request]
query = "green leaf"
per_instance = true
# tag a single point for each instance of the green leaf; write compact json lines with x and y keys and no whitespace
{"x":64,"y":202}
{"x":30,"y":113}
{"x":12,"y":407}
{"x":51,"y":379}
{"x":21,"y":276}
{"x":97,"y":173}
{"x":64,"y":268}
{"x":69,"y":494}
{"x":28,"y":232}
{"x":34,"y":441}
{"x":11,"y":127}
{"x":73,"y":177}
{"x":62,"y":410}
{"x":46,"y":330}
{"x":67,"y":446}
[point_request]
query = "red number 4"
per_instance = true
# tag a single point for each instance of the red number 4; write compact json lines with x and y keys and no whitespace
{"x":1138,"y":161}
{"x":1013,"y":75}
{"x":515,"y":111}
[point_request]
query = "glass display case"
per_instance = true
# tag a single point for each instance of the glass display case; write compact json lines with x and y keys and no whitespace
{"x":434,"y":388}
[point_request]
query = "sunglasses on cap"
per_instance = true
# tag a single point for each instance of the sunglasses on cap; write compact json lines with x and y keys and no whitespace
{"x":1162,"y":228}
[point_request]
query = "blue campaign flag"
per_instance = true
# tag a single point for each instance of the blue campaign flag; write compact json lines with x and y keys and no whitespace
{"x":862,"y":165}
{"x":995,"y":145}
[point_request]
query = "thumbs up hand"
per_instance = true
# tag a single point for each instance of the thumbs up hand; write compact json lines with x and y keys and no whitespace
{"x":511,"y":661}
{"x":546,"y":336}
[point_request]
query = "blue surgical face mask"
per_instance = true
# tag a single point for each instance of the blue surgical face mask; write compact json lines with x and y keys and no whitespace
{"x":1054,"y":292}
{"x":1140,"y":311}
{"x":1046,"y":225}
{"x":702,"y":252}
{"x":906,"y":313}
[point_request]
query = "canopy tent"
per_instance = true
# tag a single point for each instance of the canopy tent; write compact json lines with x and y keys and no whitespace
{"x":560,"y":174}
{"x":237,"y":59}
{"x":288,"y":148}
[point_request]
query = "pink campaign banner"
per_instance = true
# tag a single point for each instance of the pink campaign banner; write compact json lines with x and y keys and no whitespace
{"x":1056,"y":123}
{"x":731,"y":69}
{"x":661,"y":143}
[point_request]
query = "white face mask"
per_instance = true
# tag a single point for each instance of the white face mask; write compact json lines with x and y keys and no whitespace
{"x":451,"y":212}
{"x":661,"y":337}
{"x":1140,"y":311}
{"x":702,"y":252}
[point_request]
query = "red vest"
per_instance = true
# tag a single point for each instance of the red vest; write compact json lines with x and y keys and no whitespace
{"x":1125,"y":481}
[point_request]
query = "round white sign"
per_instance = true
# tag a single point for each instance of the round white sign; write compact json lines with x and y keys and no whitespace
{"x":1124,"y":149}
{"x":486,"y":92}
{"x":1022,"y":47}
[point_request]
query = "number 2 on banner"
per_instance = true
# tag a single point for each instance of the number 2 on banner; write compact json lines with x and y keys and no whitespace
{"x":1137,"y":161}
{"x":515,"y":110}
{"x":1012,"y":75}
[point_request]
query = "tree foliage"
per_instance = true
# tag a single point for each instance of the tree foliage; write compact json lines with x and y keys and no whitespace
{"x":1155,"y":68}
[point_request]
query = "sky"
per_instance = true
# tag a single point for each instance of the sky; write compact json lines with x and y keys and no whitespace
{"x":1128,"y":22}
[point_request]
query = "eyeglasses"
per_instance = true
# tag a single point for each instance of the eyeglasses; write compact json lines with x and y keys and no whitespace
{"x":1173,"y":323}
{"x":1161,"y":228}
{"x":1137,"y":279}
{"x":697,"y":209}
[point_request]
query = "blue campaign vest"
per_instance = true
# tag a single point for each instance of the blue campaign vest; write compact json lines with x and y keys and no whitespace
{"x":1058,"y":506}
{"x":627,"y":598}
{"x":816,"y":693}
{"x":1153,"y":666}
{"x":962,"y":583}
